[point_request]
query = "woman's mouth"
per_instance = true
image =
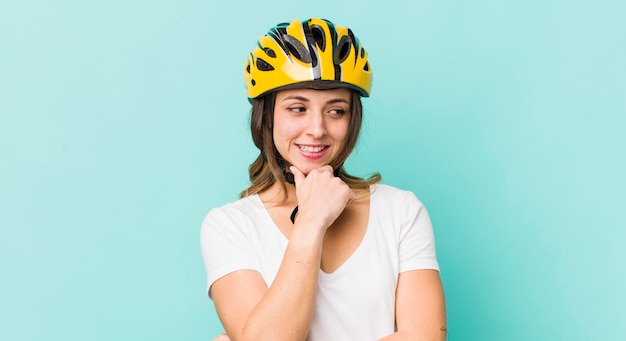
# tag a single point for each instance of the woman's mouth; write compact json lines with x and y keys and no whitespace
{"x":311,"y":149}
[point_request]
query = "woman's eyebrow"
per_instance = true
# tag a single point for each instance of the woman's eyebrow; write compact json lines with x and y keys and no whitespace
{"x":337,"y":100}
{"x":296,"y":97}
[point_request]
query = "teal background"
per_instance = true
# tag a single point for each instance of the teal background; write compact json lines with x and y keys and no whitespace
{"x":123,"y":122}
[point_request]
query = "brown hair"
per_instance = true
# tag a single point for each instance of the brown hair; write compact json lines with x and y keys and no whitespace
{"x":266,"y":169}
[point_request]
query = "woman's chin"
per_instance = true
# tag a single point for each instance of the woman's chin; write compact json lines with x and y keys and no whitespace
{"x":306,"y":169}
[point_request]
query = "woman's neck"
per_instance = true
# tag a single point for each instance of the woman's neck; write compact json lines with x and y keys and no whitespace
{"x":276,"y":196}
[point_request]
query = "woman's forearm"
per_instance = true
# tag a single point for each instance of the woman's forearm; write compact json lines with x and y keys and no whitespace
{"x":285,"y":311}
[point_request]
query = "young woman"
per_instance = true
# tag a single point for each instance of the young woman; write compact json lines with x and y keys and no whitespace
{"x":310,"y":251}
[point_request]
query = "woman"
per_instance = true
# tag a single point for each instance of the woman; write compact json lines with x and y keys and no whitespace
{"x":309,"y":251}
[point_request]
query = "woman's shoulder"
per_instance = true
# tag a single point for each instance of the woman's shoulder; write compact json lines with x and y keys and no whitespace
{"x":241,"y":204}
{"x":388,"y":192}
{"x":244,"y":208}
{"x":394,"y":200}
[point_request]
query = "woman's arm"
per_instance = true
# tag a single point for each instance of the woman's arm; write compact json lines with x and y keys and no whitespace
{"x":251,"y":311}
{"x":420,"y":307}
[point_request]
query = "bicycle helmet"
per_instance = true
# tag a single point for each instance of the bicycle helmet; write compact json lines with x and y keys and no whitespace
{"x":313,"y":53}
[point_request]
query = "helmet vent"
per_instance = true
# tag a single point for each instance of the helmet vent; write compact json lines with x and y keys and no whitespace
{"x":319,"y":37}
{"x":362,"y":52}
{"x":248,"y":67}
{"x":269,"y":52}
{"x":263,"y":65}
{"x":296,"y":49}
{"x":366,"y":67}
{"x":343,"y":50}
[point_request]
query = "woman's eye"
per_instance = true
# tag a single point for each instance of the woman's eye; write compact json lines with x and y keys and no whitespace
{"x":297,"y":109}
{"x":338,"y":112}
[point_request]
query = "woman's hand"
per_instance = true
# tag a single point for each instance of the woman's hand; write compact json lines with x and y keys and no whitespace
{"x":321,"y":196}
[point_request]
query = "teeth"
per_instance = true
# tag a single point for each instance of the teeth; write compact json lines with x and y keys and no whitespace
{"x":311,"y":149}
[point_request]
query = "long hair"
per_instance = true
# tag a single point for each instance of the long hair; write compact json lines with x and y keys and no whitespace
{"x":267,"y":168}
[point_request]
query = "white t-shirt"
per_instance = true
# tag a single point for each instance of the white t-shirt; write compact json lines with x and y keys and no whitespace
{"x":356,"y":301}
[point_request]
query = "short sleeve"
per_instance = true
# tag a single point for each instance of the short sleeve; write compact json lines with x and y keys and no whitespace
{"x":417,"y":242}
{"x":226,"y":245}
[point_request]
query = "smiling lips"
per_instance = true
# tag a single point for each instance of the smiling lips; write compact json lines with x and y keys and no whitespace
{"x":312,"y":151}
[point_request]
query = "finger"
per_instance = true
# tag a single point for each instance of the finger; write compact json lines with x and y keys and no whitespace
{"x":298,"y":176}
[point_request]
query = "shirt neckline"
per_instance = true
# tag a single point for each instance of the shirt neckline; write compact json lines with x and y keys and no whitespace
{"x":356,"y":251}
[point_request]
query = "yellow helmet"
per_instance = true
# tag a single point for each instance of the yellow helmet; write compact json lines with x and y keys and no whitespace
{"x":313,"y":53}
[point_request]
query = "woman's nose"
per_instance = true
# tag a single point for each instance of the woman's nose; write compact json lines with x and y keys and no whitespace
{"x":317,"y":125}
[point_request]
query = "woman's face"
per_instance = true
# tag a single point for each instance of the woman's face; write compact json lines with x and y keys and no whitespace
{"x":311,"y":126}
